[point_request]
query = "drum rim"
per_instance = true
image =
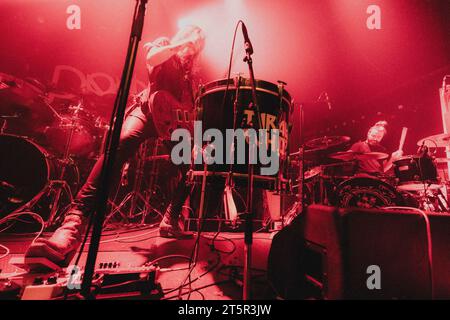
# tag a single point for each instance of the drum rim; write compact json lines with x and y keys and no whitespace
{"x":44,"y":151}
{"x":368,"y":178}
{"x":430,"y":184}
{"x":411,"y":157}
{"x":261,"y":86}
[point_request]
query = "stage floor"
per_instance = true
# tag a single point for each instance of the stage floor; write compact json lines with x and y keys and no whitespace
{"x":216,"y":276}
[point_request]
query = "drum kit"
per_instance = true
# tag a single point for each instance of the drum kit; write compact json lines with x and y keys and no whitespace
{"x":333,"y":179}
{"x":41,"y":146}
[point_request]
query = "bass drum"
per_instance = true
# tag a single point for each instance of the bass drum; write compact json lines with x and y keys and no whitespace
{"x":215,"y":109}
{"x":25,"y":172}
{"x":367,"y":192}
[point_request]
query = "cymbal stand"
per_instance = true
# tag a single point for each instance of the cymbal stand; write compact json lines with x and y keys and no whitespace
{"x":151,"y":189}
{"x":299,"y":205}
{"x":58,"y":186}
{"x":135,"y":197}
{"x":65,"y":161}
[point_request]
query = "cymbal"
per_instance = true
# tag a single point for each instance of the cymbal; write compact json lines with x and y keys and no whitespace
{"x":442,"y":160}
{"x":22,"y":101}
{"x":307,"y":154}
{"x":326,"y":142}
{"x":352,"y":155}
{"x":441,"y":140}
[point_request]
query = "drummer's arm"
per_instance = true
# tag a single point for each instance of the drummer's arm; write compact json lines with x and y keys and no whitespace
{"x":394,"y":157}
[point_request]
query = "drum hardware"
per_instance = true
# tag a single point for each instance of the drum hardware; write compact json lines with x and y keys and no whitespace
{"x":291,"y":213}
{"x":65,"y":162}
{"x":416,"y":173}
{"x":78,"y":126}
{"x":432,"y":200}
{"x":4,"y":120}
{"x":352,"y":155}
{"x":308,"y":155}
{"x":8,"y":192}
{"x":327,"y":142}
{"x":315,"y":148}
{"x":229,"y":205}
{"x":139,"y":201}
{"x":311,"y":173}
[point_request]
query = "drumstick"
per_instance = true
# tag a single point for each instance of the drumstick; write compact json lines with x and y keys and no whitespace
{"x":403,"y":138}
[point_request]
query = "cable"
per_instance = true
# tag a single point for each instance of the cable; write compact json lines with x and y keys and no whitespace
{"x":214,"y":239}
{"x":140,"y":240}
{"x":230,"y":64}
{"x":193,"y":258}
{"x":32,"y":214}
{"x":429,"y":241}
{"x":180,"y":288}
{"x":14,"y":215}
{"x":6,"y":251}
{"x":171,"y":256}
{"x":120,"y":239}
{"x":201,"y":288}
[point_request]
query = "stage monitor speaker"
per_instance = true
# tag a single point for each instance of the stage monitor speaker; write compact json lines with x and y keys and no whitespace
{"x":364,"y":254}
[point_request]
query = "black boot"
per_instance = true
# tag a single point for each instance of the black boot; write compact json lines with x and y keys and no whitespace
{"x":63,"y":244}
{"x":170,"y":227}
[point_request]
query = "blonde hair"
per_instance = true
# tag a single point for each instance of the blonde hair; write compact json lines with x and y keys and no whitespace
{"x":380,"y":125}
{"x":187,"y":31}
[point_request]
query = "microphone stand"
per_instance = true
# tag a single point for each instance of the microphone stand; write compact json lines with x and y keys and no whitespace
{"x":112,"y":145}
{"x":248,"y":237}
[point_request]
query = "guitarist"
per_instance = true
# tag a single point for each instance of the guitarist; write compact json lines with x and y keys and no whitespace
{"x":170,"y":63}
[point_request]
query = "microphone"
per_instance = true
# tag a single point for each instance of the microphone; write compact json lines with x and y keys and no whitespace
{"x":248,"y":44}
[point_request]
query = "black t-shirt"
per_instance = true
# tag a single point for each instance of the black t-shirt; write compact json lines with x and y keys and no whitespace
{"x":369,"y":166}
{"x":172,"y":77}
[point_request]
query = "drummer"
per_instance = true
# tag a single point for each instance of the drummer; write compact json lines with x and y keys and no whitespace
{"x":373,"y":144}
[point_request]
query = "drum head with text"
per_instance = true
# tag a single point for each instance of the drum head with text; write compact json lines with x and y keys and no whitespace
{"x":364,"y":192}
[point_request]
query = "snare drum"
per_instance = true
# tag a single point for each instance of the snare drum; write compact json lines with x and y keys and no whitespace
{"x":415,"y":173}
{"x":217,"y":112}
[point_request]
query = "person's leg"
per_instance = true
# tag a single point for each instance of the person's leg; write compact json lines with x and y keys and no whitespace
{"x":169,"y":227}
{"x":134,"y":132}
{"x":64,"y":242}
